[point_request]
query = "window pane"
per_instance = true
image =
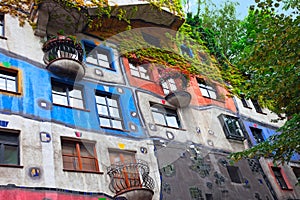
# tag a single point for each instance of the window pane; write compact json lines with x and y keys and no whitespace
{"x":76,"y":103}
{"x":69,"y":148}
{"x":102,"y":110}
{"x":204,"y":92}
{"x":104,"y":122}
{"x":2,"y":84}
{"x":100,"y":100}
{"x":212,"y":94}
{"x":112,"y":102}
{"x":104,"y":64}
{"x":86,"y":149}
{"x":114,"y":112}
{"x":117,"y":124}
{"x":92,"y":60}
{"x":61,"y":100}
{"x":134,"y":73}
{"x":88,"y":164}
{"x":159,"y":118}
{"x":172,"y":121}
{"x":11,"y":155}
{"x":75,"y":93}
{"x":70,"y":163}
{"x":103,"y":57}
{"x":11,"y":85}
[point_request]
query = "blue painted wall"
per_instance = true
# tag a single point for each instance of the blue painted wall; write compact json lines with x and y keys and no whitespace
{"x":266,"y":132}
{"x":36,"y":86}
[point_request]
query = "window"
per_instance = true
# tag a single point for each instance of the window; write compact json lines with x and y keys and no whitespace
{"x":109,"y":111}
{"x":168,"y":86}
{"x":257,"y":106}
{"x":245,"y":102}
{"x":279,"y":177}
{"x":232,"y":127}
{"x":79,"y":155}
{"x":98,"y":56}
{"x":9,"y":148}
{"x":165,"y":116}
{"x":207,"y":90}
{"x":140,"y":71}
{"x":67,"y":95}
{"x":186,"y":50}
{"x":9,"y":80}
{"x":1,"y":25}
{"x":257,"y":134}
{"x":128,"y":175}
{"x":234,"y":173}
{"x":296,"y":171}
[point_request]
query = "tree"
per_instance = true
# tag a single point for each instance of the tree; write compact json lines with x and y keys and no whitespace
{"x":268,"y":53}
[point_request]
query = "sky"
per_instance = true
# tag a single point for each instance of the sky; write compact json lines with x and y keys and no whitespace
{"x":242,"y":9}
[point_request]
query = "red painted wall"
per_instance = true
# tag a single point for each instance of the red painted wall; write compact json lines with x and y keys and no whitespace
{"x":197,"y":98}
{"x":22,"y":194}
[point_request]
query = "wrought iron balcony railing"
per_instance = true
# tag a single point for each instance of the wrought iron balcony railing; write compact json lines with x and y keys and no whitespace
{"x":64,"y":57}
{"x":129,"y":176}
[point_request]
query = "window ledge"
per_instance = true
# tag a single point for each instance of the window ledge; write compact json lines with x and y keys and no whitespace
{"x":116,"y":129}
{"x":82,"y":171}
{"x":12,"y":166}
{"x":241,"y":139}
{"x":181,"y":129}
{"x":2,"y":37}
{"x":219,"y":100}
{"x":99,"y":66}
{"x":248,"y":107}
{"x":144,"y":79}
{"x":82,"y":109}
{"x":262,"y":113}
{"x":10,"y":92}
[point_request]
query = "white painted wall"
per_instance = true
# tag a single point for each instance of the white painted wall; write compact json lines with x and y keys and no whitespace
{"x":47,"y":156}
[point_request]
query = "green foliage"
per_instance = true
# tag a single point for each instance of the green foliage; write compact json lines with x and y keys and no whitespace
{"x":268,"y":53}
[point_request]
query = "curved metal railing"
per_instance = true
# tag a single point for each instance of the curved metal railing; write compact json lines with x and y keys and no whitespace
{"x":128,"y":175}
{"x":62,"y":49}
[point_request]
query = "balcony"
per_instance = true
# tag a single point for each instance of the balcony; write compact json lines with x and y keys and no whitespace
{"x":179,"y":98}
{"x":131,"y":181}
{"x":53,"y":15}
{"x":63,"y":57}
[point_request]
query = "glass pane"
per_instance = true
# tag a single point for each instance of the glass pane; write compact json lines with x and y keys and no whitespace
{"x":11,"y":138}
{"x":11,"y":155}
{"x":61,"y":100}
{"x":11,"y":85}
{"x":145,"y":76}
{"x":59,"y":89}
{"x":88,"y":164}
{"x":69,"y":148}
{"x":117,"y":124}
{"x":213,"y":94}
{"x":114,"y":112}
{"x":75,"y":93}
{"x":172,"y":121}
{"x":112,"y":102}
{"x":131,"y":66}
{"x":104,"y":64}
{"x":86,"y":149}
{"x":102,"y":57}
{"x":204,"y":92}
{"x":104,"y":122}
{"x":70,"y":163}
{"x":159,"y":118}
{"x":134,"y":73}
{"x":2,"y":84}
{"x":91,"y":60}
{"x":102,"y":110}
{"x":76,"y":103}
{"x":100,"y":100}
